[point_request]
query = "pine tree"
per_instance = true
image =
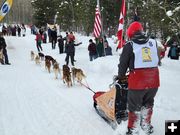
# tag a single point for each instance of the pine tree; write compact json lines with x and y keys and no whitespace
{"x":44,"y":11}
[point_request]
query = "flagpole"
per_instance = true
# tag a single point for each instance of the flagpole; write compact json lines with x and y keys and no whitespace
{"x":102,"y":30}
{"x":98,"y":3}
{"x":128,"y":6}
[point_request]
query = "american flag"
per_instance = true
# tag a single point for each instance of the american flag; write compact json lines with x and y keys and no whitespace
{"x":121,"y":24}
{"x":97,"y":23}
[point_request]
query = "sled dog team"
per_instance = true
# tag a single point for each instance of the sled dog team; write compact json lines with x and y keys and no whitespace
{"x":68,"y":76}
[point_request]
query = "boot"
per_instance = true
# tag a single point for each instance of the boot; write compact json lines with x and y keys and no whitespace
{"x":133,"y":123}
{"x":146,"y":114}
{"x":72,"y":62}
{"x":121,"y":116}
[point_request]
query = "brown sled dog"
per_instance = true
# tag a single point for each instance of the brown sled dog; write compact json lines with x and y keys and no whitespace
{"x":1,"y":57}
{"x":37,"y":60}
{"x":77,"y":74}
{"x":56,"y":69}
{"x":67,"y":75}
{"x":48,"y":65}
{"x":32,"y":55}
{"x":48,"y":57}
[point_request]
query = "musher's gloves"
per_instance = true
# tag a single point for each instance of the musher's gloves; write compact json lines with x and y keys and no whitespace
{"x":115,"y":78}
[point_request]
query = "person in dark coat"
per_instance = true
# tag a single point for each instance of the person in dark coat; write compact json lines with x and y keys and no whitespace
{"x":49,"y":34}
{"x":92,"y":50}
{"x":61,"y":44}
{"x":107,"y":48}
{"x":54,"y":38}
{"x":4,"y":30}
{"x":3,"y":46}
{"x":100,"y":48}
{"x":13,"y":30}
{"x":174,"y":51}
{"x":70,"y":50}
{"x":44,"y":37}
{"x":19,"y":30}
{"x":140,"y":56}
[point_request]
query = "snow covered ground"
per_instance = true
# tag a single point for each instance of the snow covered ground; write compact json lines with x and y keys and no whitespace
{"x":32,"y":102}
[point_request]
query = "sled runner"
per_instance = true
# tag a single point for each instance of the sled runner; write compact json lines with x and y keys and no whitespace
{"x":112,"y":105}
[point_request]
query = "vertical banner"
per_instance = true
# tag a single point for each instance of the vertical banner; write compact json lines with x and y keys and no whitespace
{"x":5,"y":8}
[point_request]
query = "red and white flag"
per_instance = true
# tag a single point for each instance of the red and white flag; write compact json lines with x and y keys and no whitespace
{"x":121,"y":24}
{"x":97,"y":23}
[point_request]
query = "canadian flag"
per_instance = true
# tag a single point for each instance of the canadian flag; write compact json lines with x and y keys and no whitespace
{"x":121,"y":24}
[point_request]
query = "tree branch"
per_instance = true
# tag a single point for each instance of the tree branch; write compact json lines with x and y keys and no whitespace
{"x":165,"y":11}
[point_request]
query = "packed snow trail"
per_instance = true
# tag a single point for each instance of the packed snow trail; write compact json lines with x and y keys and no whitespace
{"x":32,"y":102}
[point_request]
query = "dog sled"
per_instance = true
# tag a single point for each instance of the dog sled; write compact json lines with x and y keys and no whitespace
{"x":112,"y":105}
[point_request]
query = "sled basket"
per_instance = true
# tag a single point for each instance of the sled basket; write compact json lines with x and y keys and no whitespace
{"x":113,"y":103}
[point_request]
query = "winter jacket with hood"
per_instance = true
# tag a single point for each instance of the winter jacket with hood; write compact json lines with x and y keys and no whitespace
{"x":92,"y":49}
{"x":70,"y":47}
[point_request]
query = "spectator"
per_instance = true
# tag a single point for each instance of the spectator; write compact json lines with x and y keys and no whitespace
{"x":174,"y":51}
{"x":3,"y":46}
{"x":105,"y":39}
{"x":66,"y":40}
{"x":70,"y":51}
{"x":19,"y":30}
{"x":108,"y":49}
{"x":44,"y":37}
{"x":39,"y":39}
{"x":100,"y":48}
{"x":4,"y":30}
{"x":92,"y":50}
{"x":61,"y":44}
{"x":33,"y":31}
{"x":54,"y":38}
{"x":13,"y":30}
{"x":23,"y":30}
{"x":49,"y":34}
{"x":71,"y":35}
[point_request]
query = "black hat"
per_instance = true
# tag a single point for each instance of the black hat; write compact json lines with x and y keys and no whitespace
{"x":90,"y":40}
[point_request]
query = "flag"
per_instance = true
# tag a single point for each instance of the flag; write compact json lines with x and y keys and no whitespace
{"x":97,"y":23}
{"x":5,"y":8}
{"x":121,"y":24}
